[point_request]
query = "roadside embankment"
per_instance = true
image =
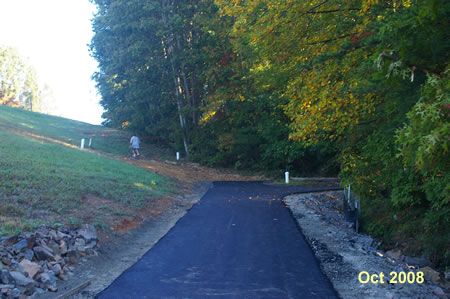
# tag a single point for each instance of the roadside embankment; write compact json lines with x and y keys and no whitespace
{"x":351,"y":261}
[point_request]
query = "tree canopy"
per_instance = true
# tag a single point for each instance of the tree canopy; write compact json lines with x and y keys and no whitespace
{"x":322,"y":86}
{"x":18,"y":82}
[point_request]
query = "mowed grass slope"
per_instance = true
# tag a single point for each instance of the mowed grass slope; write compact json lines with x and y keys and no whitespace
{"x":46,"y":180}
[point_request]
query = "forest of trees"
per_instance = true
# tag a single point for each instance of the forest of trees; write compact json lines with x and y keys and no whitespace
{"x":358,"y":88}
{"x":18,"y":82}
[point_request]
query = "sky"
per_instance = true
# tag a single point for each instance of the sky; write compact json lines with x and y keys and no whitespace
{"x":53,"y":37}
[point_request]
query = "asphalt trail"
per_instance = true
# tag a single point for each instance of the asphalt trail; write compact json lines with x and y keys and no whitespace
{"x":239,"y":241}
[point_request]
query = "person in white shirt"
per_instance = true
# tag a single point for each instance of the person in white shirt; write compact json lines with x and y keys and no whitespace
{"x":134,"y":144}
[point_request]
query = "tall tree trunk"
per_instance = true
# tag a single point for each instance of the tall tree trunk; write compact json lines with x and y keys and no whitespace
{"x":187,"y":90}
{"x":170,"y":49}
{"x":193,"y":95}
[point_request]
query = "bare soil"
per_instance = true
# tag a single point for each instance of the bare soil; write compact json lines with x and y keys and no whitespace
{"x":132,"y":232}
{"x":121,"y":249}
{"x":190,"y":173}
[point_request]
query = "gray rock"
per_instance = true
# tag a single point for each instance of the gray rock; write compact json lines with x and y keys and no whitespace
{"x":5,"y":277}
{"x":6,"y":286}
{"x":46,"y":247}
{"x":62,"y":236}
{"x":91,"y":245}
{"x":365,"y":241}
{"x":29,"y":267}
{"x":396,"y":254}
{"x":15,"y":293}
{"x":73,"y":255}
{"x":416,"y":261}
{"x":6,"y":261}
{"x":430,"y":274}
{"x":88,"y":233}
{"x":31,"y":240}
{"x":447,"y":275}
{"x":19,"y":246}
{"x":80,"y":242}
{"x":42,"y":253}
{"x":21,"y":280}
{"x":439,"y":292}
{"x":48,"y":280}
{"x":28,"y":254}
{"x":80,"y":245}
{"x":90,"y":251}
{"x":54,"y":247}
{"x":57,"y":269}
{"x":38,"y":292}
{"x":53,"y":234}
{"x":63,"y":247}
{"x":61,"y":261}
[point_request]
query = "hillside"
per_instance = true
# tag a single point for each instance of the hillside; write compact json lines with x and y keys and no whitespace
{"x":45,"y":179}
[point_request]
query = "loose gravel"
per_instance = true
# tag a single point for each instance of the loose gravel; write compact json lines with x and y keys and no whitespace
{"x":344,"y":254}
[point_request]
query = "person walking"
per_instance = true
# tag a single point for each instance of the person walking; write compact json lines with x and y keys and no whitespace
{"x":134,"y":144}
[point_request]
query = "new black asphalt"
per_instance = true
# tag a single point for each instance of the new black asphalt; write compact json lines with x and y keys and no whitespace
{"x":238,"y":241}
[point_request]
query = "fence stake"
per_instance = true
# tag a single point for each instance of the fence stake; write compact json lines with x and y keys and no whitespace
{"x":349,"y":193}
{"x":358,"y":207}
{"x":82,"y":143}
{"x":90,"y":142}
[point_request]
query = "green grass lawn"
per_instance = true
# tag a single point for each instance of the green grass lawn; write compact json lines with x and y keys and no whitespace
{"x":63,"y":130}
{"x":43,"y":182}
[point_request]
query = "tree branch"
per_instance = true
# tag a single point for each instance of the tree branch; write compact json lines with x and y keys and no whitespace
{"x":331,"y":39}
{"x":413,"y":66}
{"x":330,"y":11}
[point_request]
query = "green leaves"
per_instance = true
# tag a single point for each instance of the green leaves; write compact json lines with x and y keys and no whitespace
{"x":423,"y":141}
{"x":18,"y":83}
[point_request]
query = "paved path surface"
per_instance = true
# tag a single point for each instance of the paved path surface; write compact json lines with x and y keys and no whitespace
{"x":239,"y":241}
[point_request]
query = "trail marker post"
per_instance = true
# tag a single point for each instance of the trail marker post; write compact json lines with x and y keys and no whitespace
{"x":178,"y":156}
{"x":286,"y":177}
{"x":349,"y":193}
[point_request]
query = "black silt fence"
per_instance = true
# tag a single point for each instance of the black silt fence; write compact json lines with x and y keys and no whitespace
{"x":352,"y":207}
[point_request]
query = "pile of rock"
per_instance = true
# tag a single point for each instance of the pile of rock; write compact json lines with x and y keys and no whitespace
{"x":31,"y":263}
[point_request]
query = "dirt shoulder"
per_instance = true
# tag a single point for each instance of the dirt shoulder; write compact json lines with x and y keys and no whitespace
{"x":189,"y":172}
{"x":344,"y":254}
{"x":132,"y":234}
{"x":122,"y":250}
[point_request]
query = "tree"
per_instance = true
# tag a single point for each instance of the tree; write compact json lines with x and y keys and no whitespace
{"x":18,"y":83}
{"x":150,"y":65}
{"x":350,"y":74}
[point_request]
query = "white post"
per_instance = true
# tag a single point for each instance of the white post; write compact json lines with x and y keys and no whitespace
{"x":349,"y":193}
{"x":178,"y":156}
{"x":286,"y":177}
{"x":82,"y":143}
{"x":90,"y":142}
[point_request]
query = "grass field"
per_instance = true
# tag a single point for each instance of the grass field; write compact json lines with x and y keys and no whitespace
{"x":46,"y":180}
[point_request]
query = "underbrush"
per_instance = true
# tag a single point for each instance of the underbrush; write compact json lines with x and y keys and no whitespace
{"x":415,"y":230}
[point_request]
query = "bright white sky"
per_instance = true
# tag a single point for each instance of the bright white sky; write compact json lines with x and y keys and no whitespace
{"x":54,"y":36}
